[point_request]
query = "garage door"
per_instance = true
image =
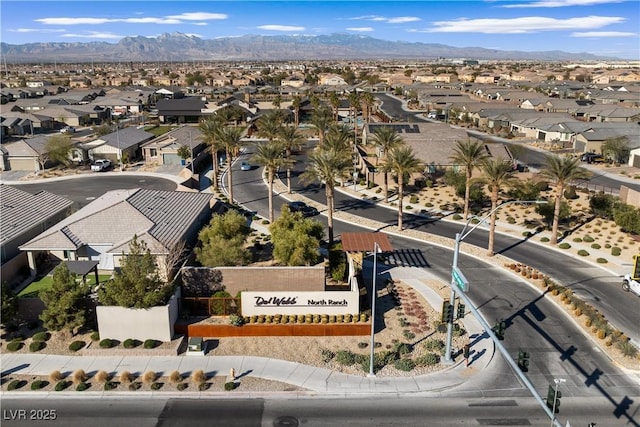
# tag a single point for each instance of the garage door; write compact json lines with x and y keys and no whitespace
{"x":22,"y":164}
{"x":171,"y":159}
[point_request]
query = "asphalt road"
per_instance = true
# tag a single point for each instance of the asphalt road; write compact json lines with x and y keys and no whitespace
{"x":378,"y":411}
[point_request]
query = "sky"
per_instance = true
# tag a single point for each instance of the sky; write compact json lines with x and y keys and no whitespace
{"x":608,"y":28}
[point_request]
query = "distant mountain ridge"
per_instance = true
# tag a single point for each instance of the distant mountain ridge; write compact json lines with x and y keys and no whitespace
{"x":182,"y":47}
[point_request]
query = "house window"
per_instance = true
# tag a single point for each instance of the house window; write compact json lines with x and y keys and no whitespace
{"x":153,"y":152}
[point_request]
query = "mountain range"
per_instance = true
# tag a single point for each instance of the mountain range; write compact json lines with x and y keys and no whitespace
{"x":182,"y":47}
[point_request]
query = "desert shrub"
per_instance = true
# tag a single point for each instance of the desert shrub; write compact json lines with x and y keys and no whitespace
{"x":362,"y":344}
{"x":627,"y":348}
{"x":156,"y":386}
{"x":106,"y":343}
{"x":79,"y":376}
{"x":42,"y":336}
{"x":544,"y":239}
{"x":236,"y":320}
{"x":327,"y":355}
{"x":582,"y":252}
{"x":456,"y":217}
{"x":204,"y":386}
{"x":615,"y":251}
{"x":151,"y":343}
{"x":345,"y":357}
{"x":434,"y":344}
{"x":602,"y":260}
{"x":95,"y":336}
{"x":76,"y":345}
{"x":595,"y":246}
{"x":149,"y":377}
{"x":429,"y":359}
{"x":15,"y":345}
{"x":62,"y":385}
{"x":570,"y":193}
{"x":175,"y":377}
{"x":130,"y":343}
{"x":36,"y":346}
{"x":577,"y":239}
{"x":413,"y":199}
{"x":408,"y":334}
{"x":16,"y":384}
{"x":564,"y":245}
{"x":82,"y":386}
{"x":588,"y":239}
{"x":135,"y":386}
{"x":102,"y":377}
{"x":38,"y":384}
{"x":229,"y":386}
{"x":126,"y":377}
{"x":182,"y":386}
{"x":404,"y":365}
{"x":55,"y":376}
{"x":110,"y":385}
{"x":403,"y":348}
{"x":198,"y":377}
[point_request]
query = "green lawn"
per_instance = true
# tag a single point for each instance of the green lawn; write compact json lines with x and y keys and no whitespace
{"x":159,"y":130}
{"x":34,"y":288}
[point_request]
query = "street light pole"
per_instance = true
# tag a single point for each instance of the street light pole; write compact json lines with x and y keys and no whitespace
{"x":456,"y":251}
{"x":376,"y":248}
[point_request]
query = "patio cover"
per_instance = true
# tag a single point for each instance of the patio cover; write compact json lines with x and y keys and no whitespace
{"x":364,"y":242}
{"x":81,"y":268}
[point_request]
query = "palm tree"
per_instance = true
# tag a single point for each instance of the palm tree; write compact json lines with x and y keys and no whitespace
{"x":403,"y":162}
{"x":231,"y":140}
{"x":328,"y":167}
{"x":355,"y":106}
{"x":338,"y":137}
{"x":295,"y":104}
{"x":334,"y":100}
{"x":269,"y":125}
{"x":498,"y":174}
{"x":561,"y":170}
{"x":367,"y":103}
{"x":290,"y":139}
{"x":210,"y":129}
{"x":469,"y":154}
{"x":386,"y":138}
{"x":270,"y":156}
{"x":321,"y":119}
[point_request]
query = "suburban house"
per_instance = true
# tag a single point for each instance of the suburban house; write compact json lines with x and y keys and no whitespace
{"x":103,"y":230}
{"x":24,"y":216}
{"x":181,"y":110}
{"x":27,"y":154}
{"x":124,"y":144}
{"x":594,"y":135}
{"x":163,"y":150}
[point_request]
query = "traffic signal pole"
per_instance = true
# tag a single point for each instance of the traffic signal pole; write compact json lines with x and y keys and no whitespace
{"x":506,"y":355}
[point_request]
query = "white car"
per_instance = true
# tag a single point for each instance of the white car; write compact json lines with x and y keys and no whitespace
{"x":68,"y":129}
{"x":630,"y":284}
{"x":101,"y":165}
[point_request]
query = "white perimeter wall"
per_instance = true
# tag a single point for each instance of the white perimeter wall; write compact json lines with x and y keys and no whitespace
{"x":274,"y":302}
{"x":154,"y":323}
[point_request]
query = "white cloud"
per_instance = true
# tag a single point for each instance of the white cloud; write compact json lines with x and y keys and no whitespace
{"x":603,"y":34}
{"x":171,"y":19}
{"x":202,"y":24}
{"x":280,"y":28}
{"x":528,"y":24}
{"x":93,"y":35}
{"x":35,"y":30}
{"x":362,"y":29}
{"x":560,"y":3}
{"x":199,"y":16}
{"x":393,"y":20}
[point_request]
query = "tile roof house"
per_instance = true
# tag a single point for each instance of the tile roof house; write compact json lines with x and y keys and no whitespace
{"x":163,"y":150}
{"x":24,"y":216}
{"x":124,"y":143}
{"x":103,"y":230}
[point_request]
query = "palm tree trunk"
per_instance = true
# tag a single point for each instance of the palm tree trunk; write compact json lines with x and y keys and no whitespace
{"x":270,"y":179}
{"x":556,"y":214}
{"x":329,"y":195}
{"x":400,"y":197}
{"x":386,"y":187}
{"x":214,"y":154}
{"x":288,"y":180}
{"x":467,"y":194}
{"x":492,"y":222}
{"x":230,"y":177}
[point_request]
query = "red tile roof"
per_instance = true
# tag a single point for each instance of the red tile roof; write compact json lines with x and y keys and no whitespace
{"x":364,"y":242}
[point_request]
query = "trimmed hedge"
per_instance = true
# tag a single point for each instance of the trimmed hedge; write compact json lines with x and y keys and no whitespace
{"x":76,"y":345}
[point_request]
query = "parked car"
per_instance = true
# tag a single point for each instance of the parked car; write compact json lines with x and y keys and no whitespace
{"x":432,"y":115}
{"x":101,"y":165}
{"x":68,"y":129}
{"x":303,"y":208}
{"x":244,"y":166}
{"x":593,"y":158}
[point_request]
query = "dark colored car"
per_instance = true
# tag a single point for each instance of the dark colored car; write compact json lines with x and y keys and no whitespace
{"x":592,"y":158}
{"x":303,"y":208}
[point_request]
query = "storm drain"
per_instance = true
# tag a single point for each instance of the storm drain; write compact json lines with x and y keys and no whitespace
{"x":286,"y":421}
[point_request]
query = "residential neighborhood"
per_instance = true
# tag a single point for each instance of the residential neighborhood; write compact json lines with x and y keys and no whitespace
{"x":385,"y":162}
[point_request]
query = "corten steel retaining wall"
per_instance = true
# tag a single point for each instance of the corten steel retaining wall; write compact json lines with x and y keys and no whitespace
{"x":236,"y":279}
{"x":287,"y":330}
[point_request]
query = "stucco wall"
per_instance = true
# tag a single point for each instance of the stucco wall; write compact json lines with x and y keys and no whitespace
{"x":236,"y":279}
{"x":629,"y":196}
{"x":154,"y":323}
